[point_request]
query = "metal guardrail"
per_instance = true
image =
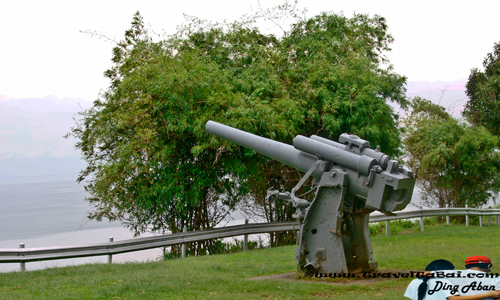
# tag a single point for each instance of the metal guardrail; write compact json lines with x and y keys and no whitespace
{"x":110,"y":248}
{"x":433,"y":212}
{"x":23,"y":255}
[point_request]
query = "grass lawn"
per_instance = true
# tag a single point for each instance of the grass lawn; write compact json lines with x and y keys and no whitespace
{"x":225,"y":276}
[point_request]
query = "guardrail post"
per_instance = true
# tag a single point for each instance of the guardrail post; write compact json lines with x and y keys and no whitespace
{"x":387,"y":227}
{"x":467,"y":216}
{"x":184,"y":245}
{"x":447,"y":215}
{"x":22,"y":265}
{"x":245,"y":239}
{"x":489,"y":218}
{"x":480,"y":221}
{"x":110,"y":256}
{"x":422,"y":224}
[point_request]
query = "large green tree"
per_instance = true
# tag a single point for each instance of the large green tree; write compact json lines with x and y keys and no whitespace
{"x":459,"y":164}
{"x":483,"y":90}
{"x":332,"y":65}
{"x":151,"y":164}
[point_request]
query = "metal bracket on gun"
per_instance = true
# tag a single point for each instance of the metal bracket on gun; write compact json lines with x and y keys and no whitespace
{"x":300,"y":204}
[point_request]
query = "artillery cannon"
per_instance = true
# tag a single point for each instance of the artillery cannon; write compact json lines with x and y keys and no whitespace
{"x":352,"y":180}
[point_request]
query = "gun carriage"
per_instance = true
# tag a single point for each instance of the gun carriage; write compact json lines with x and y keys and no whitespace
{"x":352,"y":180}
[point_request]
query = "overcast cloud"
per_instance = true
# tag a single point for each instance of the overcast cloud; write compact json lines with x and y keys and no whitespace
{"x":44,"y":53}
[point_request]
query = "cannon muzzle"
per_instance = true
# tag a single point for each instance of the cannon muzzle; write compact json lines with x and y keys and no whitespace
{"x":279,"y":151}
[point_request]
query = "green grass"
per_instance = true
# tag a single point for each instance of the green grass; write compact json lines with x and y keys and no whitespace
{"x":225,"y":276}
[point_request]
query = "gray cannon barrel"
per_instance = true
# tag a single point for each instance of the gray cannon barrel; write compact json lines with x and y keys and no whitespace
{"x":360,"y":163}
{"x":381,"y":158}
{"x":281,"y":152}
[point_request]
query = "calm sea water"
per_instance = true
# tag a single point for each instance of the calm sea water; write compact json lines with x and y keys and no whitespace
{"x":50,"y":211}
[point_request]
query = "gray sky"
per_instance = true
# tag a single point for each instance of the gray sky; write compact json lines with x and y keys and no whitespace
{"x":43,"y":52}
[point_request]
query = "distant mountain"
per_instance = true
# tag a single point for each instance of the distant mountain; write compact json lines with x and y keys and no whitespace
{"x":41,"y":166}
{"x":48,"y":104}
{"x":31,"y":135}
{"x":450,"y":95}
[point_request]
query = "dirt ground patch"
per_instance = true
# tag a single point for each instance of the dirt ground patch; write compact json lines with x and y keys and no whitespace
{"x":357,"y":278}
